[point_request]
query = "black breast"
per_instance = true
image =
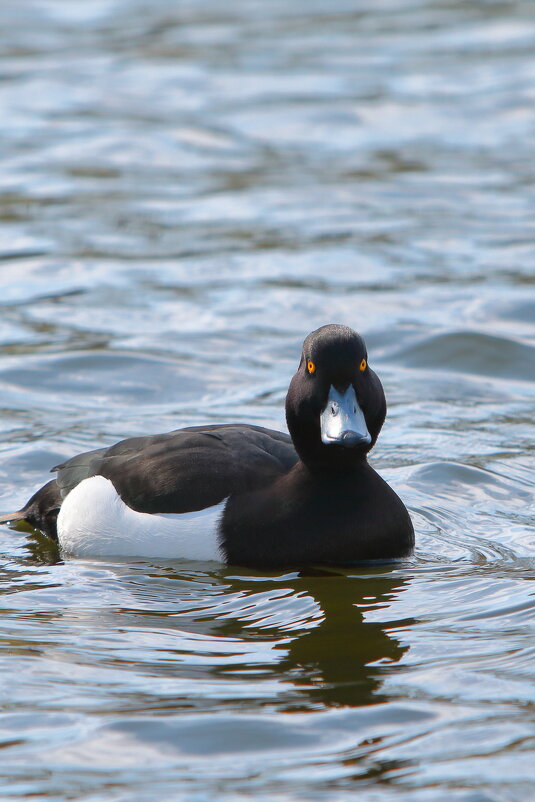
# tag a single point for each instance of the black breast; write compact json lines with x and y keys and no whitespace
{"x":313,"y":519}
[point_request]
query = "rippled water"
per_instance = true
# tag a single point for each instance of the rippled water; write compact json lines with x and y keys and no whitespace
{"x":186,"y":191}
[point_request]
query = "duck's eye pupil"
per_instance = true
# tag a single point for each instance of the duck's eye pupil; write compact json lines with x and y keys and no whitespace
{"x":311,"y":366}
{"x":362,"y":365}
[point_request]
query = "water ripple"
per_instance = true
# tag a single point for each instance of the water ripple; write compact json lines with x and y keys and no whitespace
{"x":186,"y":191}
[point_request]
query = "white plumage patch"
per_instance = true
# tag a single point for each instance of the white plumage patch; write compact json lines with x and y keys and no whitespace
{"x":95,"y":522}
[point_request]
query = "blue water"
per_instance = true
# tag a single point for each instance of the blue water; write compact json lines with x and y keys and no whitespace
{"x":186,"y":190}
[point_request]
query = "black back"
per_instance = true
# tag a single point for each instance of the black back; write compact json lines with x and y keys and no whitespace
{"x":185,"y":470}
{"x":181,"y":471}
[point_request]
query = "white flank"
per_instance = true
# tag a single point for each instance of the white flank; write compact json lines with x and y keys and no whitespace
{"x":95,"y":522}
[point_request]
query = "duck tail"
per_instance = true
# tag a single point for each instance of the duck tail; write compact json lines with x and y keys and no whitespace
{"x":8,"y":517}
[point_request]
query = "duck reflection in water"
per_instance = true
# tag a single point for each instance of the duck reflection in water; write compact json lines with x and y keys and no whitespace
{"x":331,"y":628}
{"x":338,"y":657}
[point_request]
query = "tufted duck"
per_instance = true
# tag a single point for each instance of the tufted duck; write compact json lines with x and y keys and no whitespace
{"x":243,"y":494}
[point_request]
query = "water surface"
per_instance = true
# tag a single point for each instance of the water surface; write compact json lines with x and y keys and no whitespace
{"x":186,"y":190}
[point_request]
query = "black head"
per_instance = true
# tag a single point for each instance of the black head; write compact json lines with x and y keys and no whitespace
{"x":335,"y":406}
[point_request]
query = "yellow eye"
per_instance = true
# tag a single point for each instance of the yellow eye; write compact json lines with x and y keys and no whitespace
{"x":362,"y":365}
{"x":311,"y":366}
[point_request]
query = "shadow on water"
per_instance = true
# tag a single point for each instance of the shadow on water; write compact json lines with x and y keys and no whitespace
{"x":343,"y":658}
{"x":40,"y":549}
{"x":331,"y":654}
{"x":295,"y":644}
{"x":207,"y":656}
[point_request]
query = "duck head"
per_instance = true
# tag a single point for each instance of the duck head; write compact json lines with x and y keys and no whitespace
{"x":336,"y":405}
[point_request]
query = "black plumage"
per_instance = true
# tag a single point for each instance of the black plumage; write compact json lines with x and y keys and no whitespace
{"x":181,"y":471}
{"x":290,"y":500}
